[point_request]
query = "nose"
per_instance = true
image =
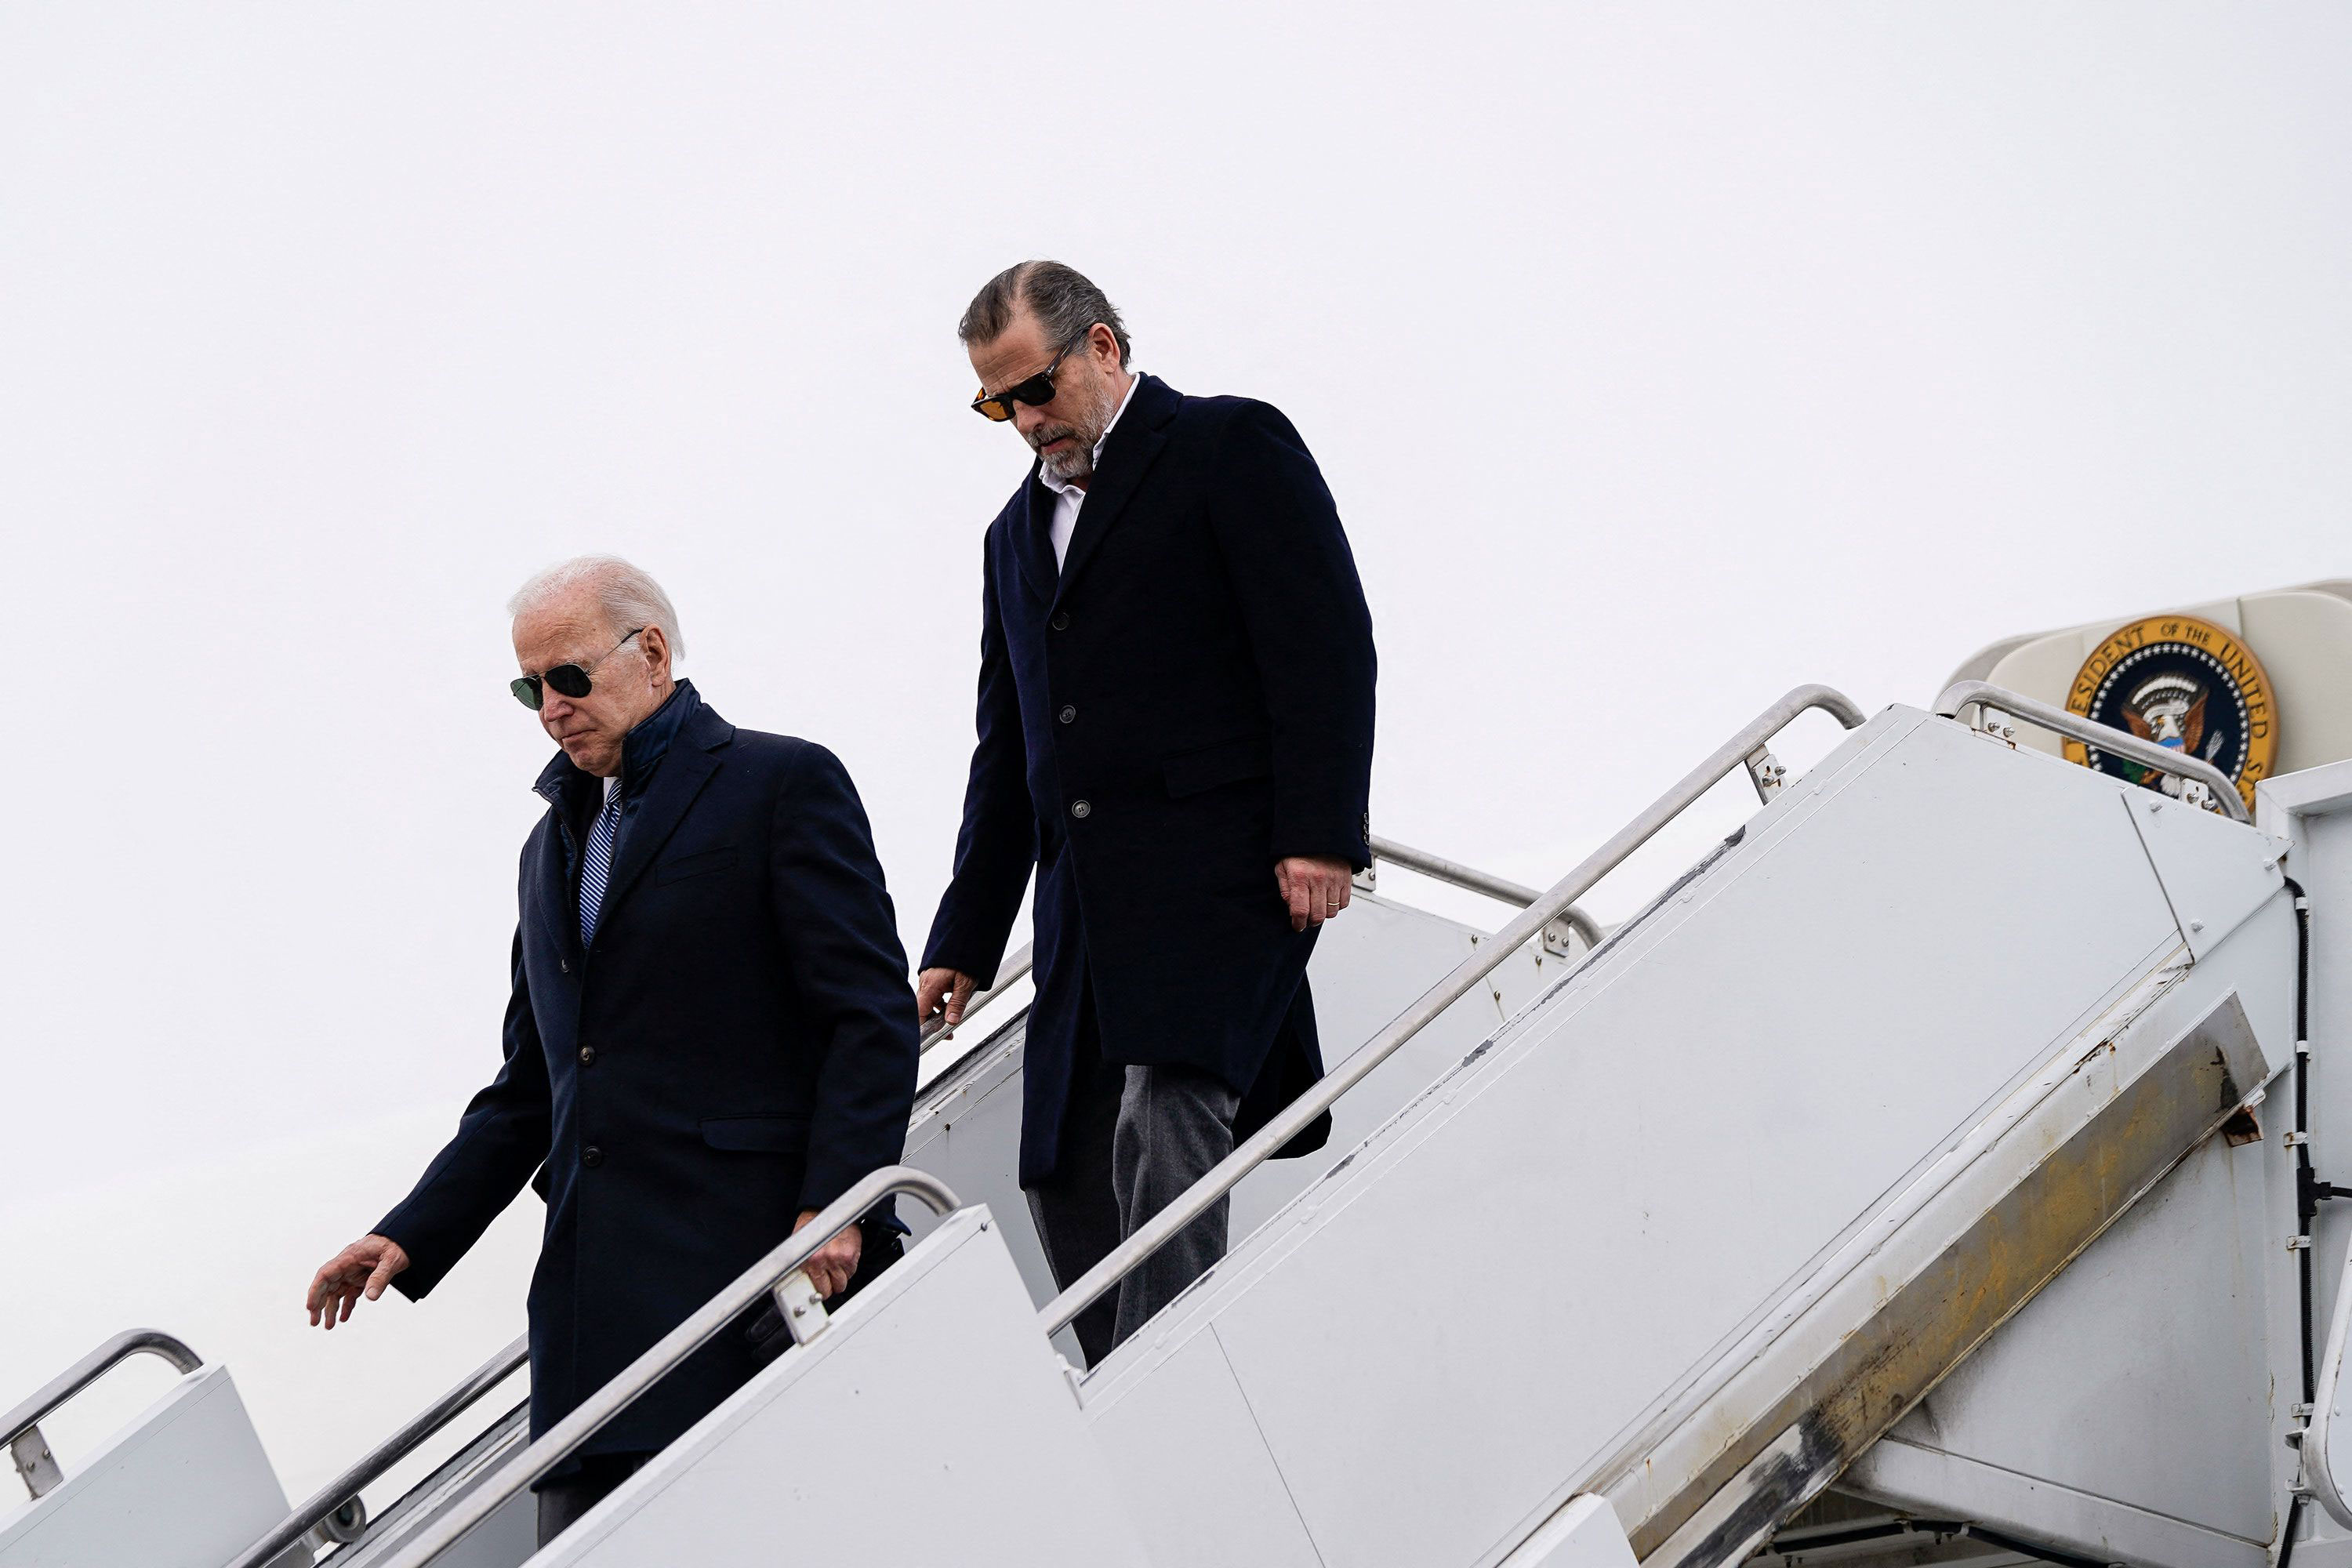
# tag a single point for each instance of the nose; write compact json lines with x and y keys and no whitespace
{"x":1027,"y":417}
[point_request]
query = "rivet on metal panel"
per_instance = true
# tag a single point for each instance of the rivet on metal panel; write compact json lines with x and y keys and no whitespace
{"x":2196,"y":925}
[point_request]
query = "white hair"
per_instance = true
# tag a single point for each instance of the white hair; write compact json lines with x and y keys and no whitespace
{"x":628,"y":595}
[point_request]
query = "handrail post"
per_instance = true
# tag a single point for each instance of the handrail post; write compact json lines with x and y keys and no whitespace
{"x":1227,"y":1172}
{"x":1983,"y":695}
{"x":20,"y":1429}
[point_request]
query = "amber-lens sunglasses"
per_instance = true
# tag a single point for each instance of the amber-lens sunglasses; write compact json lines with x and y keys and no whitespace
{"x":1036,"y":392}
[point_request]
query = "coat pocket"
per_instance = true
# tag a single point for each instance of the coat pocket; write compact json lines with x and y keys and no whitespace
{"x":757,"y":1134}
{"x":700,"y":863}
{"x":1219,"y":762}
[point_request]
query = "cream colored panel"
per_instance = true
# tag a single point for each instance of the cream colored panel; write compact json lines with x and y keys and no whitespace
{"x":2304,"y":641}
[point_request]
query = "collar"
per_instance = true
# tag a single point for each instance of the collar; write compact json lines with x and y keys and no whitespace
{"x":641,"y":750}
{"x":1134,"y":380}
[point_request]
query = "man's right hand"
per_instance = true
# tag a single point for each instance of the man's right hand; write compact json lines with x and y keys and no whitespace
{"x":363,"y":1268}
{"x":942,"y":990}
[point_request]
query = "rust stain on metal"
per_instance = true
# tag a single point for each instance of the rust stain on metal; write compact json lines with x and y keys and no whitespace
{"x":1934,"y":1320}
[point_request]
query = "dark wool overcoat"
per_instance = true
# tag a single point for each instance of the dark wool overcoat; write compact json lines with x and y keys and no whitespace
{"x":1186,"y":701}
{"x":736,"y":1047}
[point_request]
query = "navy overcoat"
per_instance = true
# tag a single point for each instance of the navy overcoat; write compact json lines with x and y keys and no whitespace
{"x":738,"y":1046}
{"x":1185,"y":701}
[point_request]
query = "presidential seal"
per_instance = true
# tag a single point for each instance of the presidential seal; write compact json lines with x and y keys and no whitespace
{"x":2183,"y":683}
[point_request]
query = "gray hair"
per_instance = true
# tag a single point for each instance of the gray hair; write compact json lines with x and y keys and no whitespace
{"x":1062,"y":299}
{"x":628,"y":595}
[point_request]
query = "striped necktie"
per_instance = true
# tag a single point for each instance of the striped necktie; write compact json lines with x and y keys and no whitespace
{"x":596,"y":867}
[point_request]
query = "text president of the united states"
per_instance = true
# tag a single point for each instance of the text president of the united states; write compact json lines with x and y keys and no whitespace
{"x":1175,"y":729}
{"x":710,"y":1036}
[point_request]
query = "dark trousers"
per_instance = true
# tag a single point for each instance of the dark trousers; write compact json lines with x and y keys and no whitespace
{"x":562,"y":1501}
{"x":1133,"y":1140}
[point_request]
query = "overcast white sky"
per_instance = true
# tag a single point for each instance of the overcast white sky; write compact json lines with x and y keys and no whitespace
{"x":1660,"y":359}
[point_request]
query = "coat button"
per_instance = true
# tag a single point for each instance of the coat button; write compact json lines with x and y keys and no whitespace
{"x":564,"y":965}
{"x":1062,"y":622}
{"x":1069,"y":713}
{"x":1081,"y":809}
{"x":591,"y":1156}
{"x":587,"y":1056}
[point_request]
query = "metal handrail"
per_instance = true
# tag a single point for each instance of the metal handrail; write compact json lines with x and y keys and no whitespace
{"x":1018,"y":965}
{"x":1007,"y":974}
{"x":368,"y":1470}
{"x":666,"y":1352}
{"x":89,"y":1369}
{"x":1227,"y":1172}
{"x":2091,"y":733}
{"x":1440,"y":868}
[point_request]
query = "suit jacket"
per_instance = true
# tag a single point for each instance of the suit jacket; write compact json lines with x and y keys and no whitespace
{"x":1185,"y":701}
{"x":738,"y":1046}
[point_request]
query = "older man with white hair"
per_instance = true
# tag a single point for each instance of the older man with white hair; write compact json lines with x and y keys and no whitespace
{"x":712,"y":1033}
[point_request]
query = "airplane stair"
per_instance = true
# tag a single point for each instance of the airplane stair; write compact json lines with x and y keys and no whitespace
{"x":1625,"y":1252}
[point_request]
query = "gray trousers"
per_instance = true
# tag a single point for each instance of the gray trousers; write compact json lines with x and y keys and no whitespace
{"x":1134,"y":1139}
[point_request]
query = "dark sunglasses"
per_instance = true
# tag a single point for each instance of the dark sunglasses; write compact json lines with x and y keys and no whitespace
{"x":569,"y":679}
{"x":1036,"y":392}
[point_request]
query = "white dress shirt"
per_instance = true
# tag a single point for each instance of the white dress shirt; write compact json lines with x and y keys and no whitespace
{"x":1069,"y":496}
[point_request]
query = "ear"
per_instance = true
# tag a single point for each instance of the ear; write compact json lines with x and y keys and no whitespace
{"x":1102,"y":346}
{"x":656,"y":649}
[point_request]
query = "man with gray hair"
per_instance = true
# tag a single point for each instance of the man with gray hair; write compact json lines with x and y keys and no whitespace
{"x":1175,"y":730}
{"x":711,"y":1037}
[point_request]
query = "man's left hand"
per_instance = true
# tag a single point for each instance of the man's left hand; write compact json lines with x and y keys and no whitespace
{"x":830,"y":1267}
{"x":1315,"y":888}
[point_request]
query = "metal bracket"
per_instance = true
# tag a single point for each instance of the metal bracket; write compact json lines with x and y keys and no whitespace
{"x":803,"y":1309}
{"x":1991,"y":722}
{"x":1765,"y":771}
{"x":1560,"y":939}
{"x":35,"y":1463}
{"x":1368,"y":881}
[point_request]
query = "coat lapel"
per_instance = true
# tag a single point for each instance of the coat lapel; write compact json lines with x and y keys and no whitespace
{"x":1127,"y":457}
{"x":672,"y":790}
{"x":550,"y":890}
{"x":1033,"y":540}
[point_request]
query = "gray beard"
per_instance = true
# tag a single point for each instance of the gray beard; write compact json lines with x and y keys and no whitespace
{"x":1068,"y":467}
